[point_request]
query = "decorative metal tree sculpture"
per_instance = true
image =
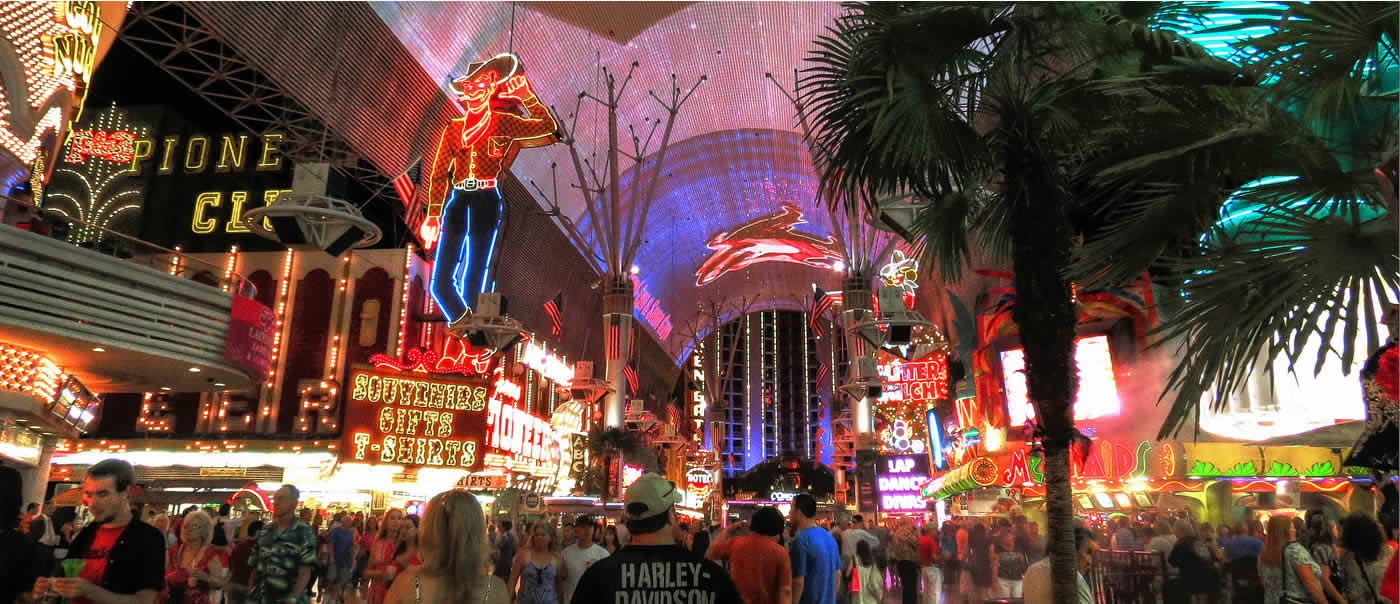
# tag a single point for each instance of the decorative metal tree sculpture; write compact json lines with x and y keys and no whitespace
{"x":616,"y":228}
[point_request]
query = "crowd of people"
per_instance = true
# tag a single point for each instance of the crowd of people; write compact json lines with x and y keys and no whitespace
{"x":1290,"y":559}
{"x":453,"y":554}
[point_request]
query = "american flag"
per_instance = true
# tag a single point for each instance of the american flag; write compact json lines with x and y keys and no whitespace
{"x":822,"y":301}
{"x":554,"y":308}
{"x":673,"y":414}
{"x":823,"y":372}
{"x":406,"y":184}
{"x":614,"y":334}
{"x":628,"y":372}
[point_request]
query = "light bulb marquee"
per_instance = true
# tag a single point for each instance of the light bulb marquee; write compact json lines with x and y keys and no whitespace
{"x":56,"y":45}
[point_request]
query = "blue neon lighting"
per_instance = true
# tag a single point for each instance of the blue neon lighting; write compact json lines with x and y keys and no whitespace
{"x":935,"y":439}
{"x":491,"y":250}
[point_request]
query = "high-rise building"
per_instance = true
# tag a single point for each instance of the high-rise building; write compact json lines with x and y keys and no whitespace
{"x":768,"y":363}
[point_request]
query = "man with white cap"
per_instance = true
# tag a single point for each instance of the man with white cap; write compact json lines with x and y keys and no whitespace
{"x":653,"y":563}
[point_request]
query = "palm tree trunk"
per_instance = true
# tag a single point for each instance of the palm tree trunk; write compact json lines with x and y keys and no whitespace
{"x":1046,"y":316}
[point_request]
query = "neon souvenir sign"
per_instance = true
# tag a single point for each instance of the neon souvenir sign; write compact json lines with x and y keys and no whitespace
{"x":1098,"y":391}
{"x":768,"y":238}
{"x":457,"y":357}
{"x":414,"y":419}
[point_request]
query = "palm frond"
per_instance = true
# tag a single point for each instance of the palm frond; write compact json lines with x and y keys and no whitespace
{"x":1260,"y":291}
{"x":1326,"y":56}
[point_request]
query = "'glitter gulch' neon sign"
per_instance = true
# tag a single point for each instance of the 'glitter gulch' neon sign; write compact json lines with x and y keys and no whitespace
{"x":768,"y":238}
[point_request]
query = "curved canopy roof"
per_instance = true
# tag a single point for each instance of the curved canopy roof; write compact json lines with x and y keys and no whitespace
{"x":736,"y":152}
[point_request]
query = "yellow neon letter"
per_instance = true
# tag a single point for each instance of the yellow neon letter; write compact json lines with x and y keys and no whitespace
{"x":190,"y":152}
{"x":270,"y":160}
{"x":235,"y":219}
{"x":141,"y":149}
{"x":229,"y":158}
{"x":209,"y":199}
{"x":168,"y":154}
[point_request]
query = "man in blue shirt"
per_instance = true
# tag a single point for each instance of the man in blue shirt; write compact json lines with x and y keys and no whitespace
{"x":816,"y":561}
{"x":342,"y":543}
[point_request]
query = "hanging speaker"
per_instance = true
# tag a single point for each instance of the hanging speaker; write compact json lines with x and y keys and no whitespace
{"x":350,"y":237}
{"x":287,"y":230}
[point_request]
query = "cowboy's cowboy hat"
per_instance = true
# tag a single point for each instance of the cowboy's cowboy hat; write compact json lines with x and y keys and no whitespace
{"x":505,"y":64}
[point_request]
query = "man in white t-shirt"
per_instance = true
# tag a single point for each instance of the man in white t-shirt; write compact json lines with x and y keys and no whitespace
{"x":580,"y":555}
{"x":853,"y":535}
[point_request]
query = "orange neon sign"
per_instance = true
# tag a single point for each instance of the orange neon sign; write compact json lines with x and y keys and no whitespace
{"x":475,"y":148}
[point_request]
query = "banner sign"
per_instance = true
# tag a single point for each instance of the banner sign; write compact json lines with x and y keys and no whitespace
{"x":248,"y":344}
{"x":482,"y":482}
{"x":413,"y":419}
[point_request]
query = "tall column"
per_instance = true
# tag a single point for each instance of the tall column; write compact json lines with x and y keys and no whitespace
{"x":856,"y":302}
{"x":36,"y":479}
{"x":617,"y":341}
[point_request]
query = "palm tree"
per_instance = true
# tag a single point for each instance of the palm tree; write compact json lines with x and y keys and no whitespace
{"x":983,"y":110}
{"x":1285,"y":140}
{"x":608,"y":444}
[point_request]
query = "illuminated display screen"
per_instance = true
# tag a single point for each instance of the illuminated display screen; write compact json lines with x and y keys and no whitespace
{"x":1122,"y":500}
{"x":75,"y":404}
{"x":1103,"y":500}
{"x":899,"y":480}
{"x":414,"y":419}
{"x":1086,"y":502}
{"x":1098,"y":392}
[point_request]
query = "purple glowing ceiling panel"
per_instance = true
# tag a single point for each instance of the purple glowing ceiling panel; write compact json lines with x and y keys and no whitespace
{"x":725,"y":189}
{"x":735,"y":154}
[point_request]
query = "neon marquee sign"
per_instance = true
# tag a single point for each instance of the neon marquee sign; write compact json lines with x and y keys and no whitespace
{"x":555,"y":369}
{"x":517,"y":432}
{"x":119,"y":146}
{"x":899,"y":481}
{"x":698,"y":405}
{"x":925,"y":380}
{"x":768,"y":238}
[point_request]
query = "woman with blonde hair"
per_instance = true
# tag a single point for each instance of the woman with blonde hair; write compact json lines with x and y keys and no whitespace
{"x":538,"y":575}
{"x":190,"y":566}
{"x":1287,"y":570}
{"x":455,"y":566}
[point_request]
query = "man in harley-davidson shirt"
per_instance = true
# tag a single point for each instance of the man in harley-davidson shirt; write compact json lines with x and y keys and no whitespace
{"x":654,"y":568}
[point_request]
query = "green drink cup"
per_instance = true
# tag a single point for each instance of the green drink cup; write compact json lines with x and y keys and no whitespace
{"x":71,"y":568}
